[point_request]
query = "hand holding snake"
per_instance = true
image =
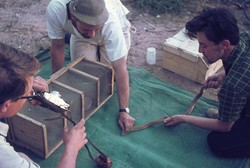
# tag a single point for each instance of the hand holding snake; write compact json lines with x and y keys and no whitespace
{"x":161,"y":121}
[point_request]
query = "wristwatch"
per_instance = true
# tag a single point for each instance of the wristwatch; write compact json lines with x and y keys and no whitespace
{"x":124,"y":110}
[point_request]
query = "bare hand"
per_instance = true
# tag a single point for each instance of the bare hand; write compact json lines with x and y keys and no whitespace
{"x":174,"y":120}
{"x":125,"y":121}
{"x":40,"y":84}
{"x":214,"y":81}
{"x":75,"y":138}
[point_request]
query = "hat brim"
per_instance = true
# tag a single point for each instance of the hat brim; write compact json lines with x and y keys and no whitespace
{"x":97,"y":20}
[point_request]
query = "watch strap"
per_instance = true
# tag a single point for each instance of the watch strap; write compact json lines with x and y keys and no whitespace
{"x":124,"y":110}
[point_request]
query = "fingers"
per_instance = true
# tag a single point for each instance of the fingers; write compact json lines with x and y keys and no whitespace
{"x":78,"y":129}
{"x":81,"y":127}
{"x":40,"y":84}
{"x":66,"y":129}
{"x":172,"y":121}
{"x":205,"y":84}
{"x":125,"y":121}
{"x":168,"y":121}
{"x":213,"y":81}
{"x":122,"y":126}
{"x":129,"y":124}
{"x":75,"y":138}
{"x":211,"y":84}
{"x":80,"y":124}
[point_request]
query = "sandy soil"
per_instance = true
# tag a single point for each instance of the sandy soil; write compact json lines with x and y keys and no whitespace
{"x":23,"y":25}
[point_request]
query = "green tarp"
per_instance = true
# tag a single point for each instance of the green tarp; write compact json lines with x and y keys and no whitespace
{"x":182,"y":146}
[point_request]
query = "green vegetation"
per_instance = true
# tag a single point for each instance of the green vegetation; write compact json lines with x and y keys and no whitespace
{"x":160,"y":6}
{"x":155,"y":7}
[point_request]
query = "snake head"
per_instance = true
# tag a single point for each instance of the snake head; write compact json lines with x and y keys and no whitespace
{"x":103,"y":161}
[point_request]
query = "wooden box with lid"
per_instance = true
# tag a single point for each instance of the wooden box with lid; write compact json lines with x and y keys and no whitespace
{"x":182,"y":57}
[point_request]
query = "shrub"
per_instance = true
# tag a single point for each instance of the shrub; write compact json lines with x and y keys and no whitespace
{"x":160,"y":6}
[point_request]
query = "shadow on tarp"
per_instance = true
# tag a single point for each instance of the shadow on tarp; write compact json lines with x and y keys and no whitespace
{"x":182,"y":146}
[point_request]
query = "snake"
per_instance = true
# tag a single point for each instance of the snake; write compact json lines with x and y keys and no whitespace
{"x":161,"y":121}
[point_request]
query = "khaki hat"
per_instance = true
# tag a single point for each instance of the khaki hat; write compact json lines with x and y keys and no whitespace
{"x":92,"y":12}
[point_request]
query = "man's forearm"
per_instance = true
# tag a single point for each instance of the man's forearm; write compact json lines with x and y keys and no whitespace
{"x":208,"y":123}
{"x":57,"y":60}
{"x":123,"y":89}
{"x":122,"y":82}
{"x":57,"y":54}
{"x":68,"y":159}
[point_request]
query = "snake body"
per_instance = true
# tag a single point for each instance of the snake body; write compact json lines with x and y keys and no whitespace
{"x":143,"y":126}
{"x":192,"y":104}
{"x":161,"y":121}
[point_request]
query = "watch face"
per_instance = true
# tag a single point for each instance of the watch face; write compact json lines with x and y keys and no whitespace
{"x":127,"y":110}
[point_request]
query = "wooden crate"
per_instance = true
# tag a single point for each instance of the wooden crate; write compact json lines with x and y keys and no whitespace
{"x":29,"y":129}
{"x":182,"y":57}
{"x":85,"y":85}
{"x":94,"y":79}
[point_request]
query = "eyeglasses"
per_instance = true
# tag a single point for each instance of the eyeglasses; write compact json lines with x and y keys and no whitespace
{"x":32,"y":95}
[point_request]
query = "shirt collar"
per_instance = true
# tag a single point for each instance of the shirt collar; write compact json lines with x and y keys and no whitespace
{"x":4,"y":128}
{"x":234,"y":55}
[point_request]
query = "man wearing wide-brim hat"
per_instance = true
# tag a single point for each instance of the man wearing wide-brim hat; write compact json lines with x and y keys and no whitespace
{"x":99,"y":31}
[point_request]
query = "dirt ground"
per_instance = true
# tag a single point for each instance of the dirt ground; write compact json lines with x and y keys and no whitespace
{"x":23,"y":25}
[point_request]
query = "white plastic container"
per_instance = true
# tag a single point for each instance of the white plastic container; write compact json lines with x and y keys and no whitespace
{"x":151,"y":55}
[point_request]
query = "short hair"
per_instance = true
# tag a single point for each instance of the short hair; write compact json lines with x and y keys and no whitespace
{"x":217,"y":23}
{"x":15,"y":67}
